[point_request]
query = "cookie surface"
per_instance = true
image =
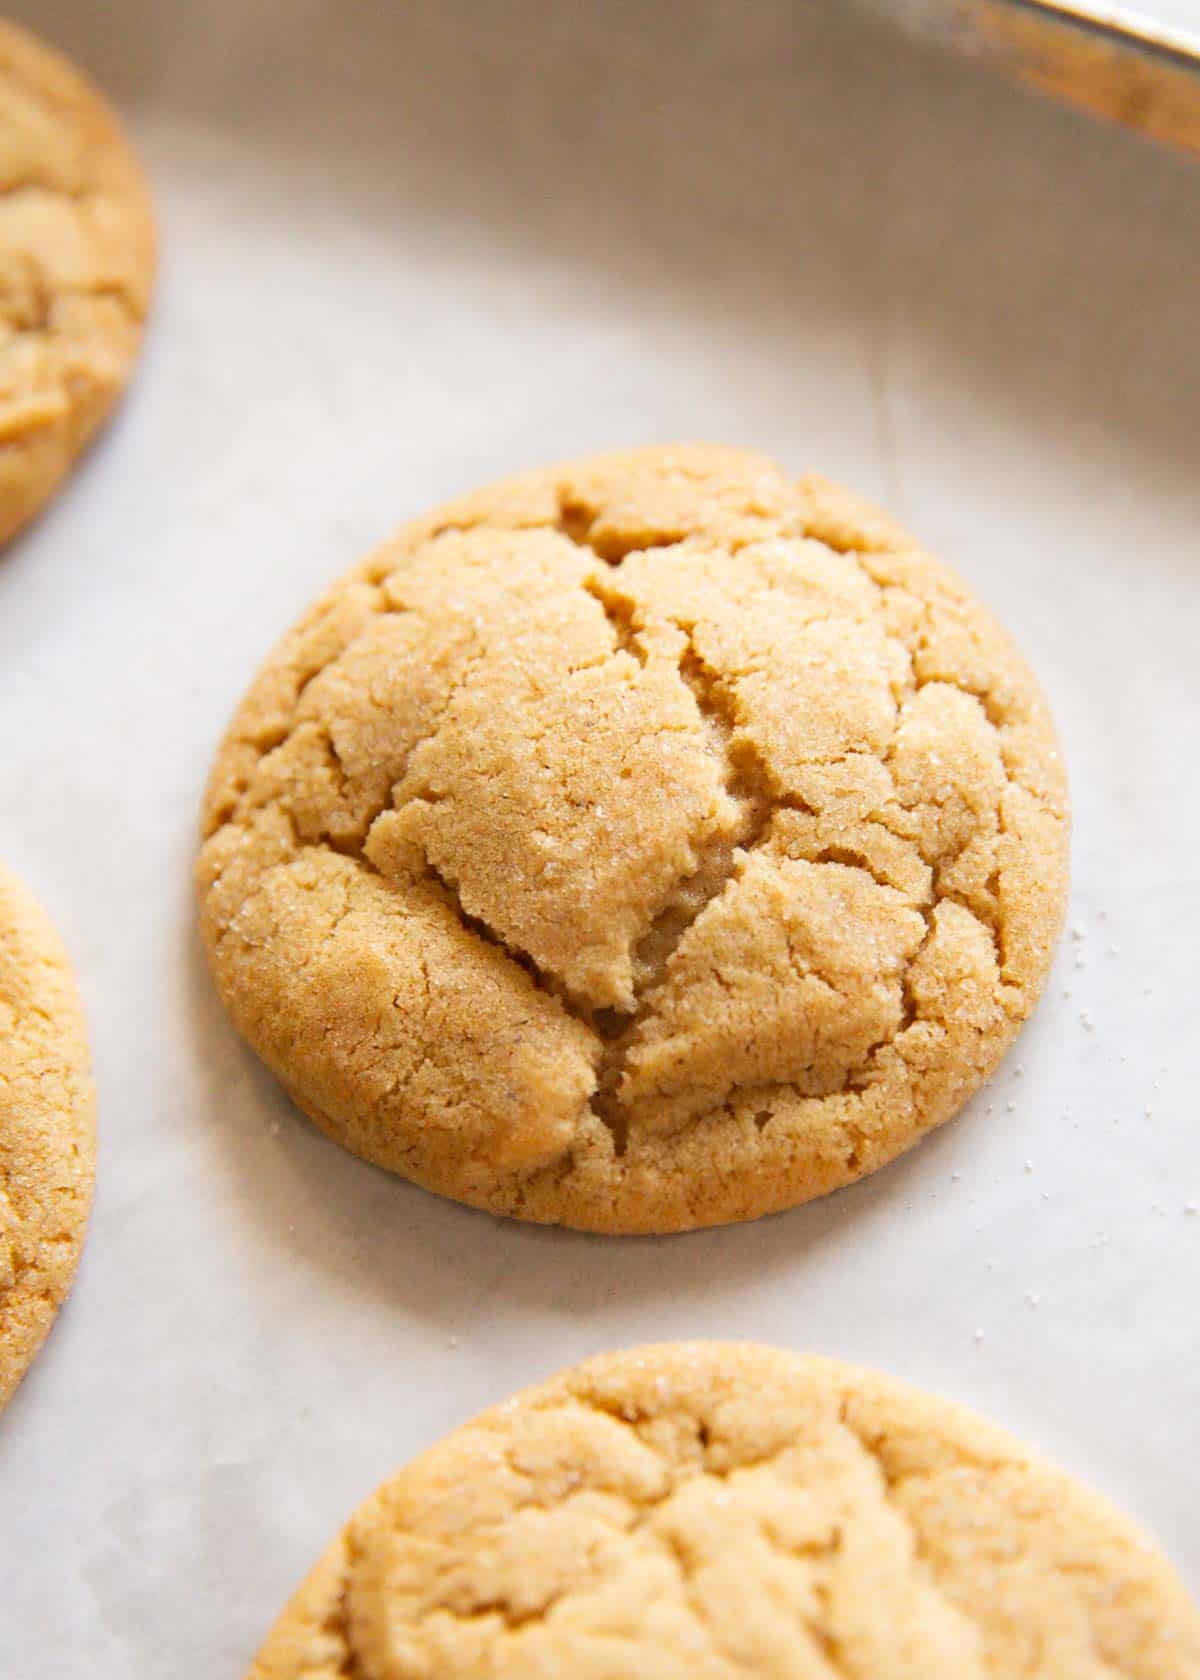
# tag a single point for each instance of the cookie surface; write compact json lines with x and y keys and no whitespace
{"x":47,"y":1129}
{"x":641,"y":845}
{"x":708,"y":1512}
{"x":76,"y":264}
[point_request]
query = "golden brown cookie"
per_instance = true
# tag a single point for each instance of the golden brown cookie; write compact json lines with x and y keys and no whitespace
{"x":47,"y":1130}
{"x":76,"y":264}
{"x":640,"y":845}
{"x":712,"y":1512}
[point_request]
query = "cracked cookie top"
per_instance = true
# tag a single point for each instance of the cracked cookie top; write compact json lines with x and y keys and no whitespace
{"x":640,"y":845}
{"x":76,"y":263}
{"x":709,"y":1512}
{"x":47,"y":1129}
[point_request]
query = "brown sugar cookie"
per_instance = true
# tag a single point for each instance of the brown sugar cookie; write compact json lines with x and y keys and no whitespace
{"x":640,"y":845}
{"x":76,"y":264}
{"x":47,"y":1130}
{"x":712,"y":1512}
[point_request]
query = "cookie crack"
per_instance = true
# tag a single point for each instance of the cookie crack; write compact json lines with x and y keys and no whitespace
{"x":352,"y":843}
{"x":1001,"y":718}
{"x":269,"y":737}
{"x":714,"y":1617}
{"x":748,"y":780}
{"x":719,"y":862}
{"x":926,"y":1565}
{"x":921,"y":1560}
{"x":625,"y":636}
{"x":336,"y":1623}
{"x":868,"y":1073}
{"x":578,"y":1007}
{"x":577,"y":521}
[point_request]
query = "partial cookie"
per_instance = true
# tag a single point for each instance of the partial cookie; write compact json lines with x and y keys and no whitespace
{"x":47,"y":1130}
{"x":640,"y":845}
{"x":76,"y":265}
{"x":710,"y":1512}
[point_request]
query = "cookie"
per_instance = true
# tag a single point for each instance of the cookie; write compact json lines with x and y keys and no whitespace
{"x":707,"y":1512}
{"x":76,"y":264}
{"x":47,"y":1130}
{"x":642,"y":845}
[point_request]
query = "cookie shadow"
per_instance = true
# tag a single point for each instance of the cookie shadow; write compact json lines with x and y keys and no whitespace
{"x":370,"y":1234}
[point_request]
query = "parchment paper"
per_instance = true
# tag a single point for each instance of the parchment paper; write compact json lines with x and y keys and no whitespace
{"x":407,"y":248}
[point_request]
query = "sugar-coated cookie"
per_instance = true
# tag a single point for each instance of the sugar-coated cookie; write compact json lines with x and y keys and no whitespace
{"x":47,"y":1129}
{"x":718,"y":1512}
{"x":641,"y":845}
{"x":76,"y":265}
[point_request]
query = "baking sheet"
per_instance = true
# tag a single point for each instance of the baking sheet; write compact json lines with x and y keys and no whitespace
{"x":409,"y":248}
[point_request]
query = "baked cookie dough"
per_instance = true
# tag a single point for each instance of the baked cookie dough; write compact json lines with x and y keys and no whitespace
{"x":709,"y":1512}
{"x":641,"y":845}
{"x":47,"y":1130}
{"x":76,"y":264}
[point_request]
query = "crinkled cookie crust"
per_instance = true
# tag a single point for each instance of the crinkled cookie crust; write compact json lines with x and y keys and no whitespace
{"x":76,"y":265}
{"x":642,"y":845}
{"x":709,"y":1512}
{"x":47,"y":1130}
